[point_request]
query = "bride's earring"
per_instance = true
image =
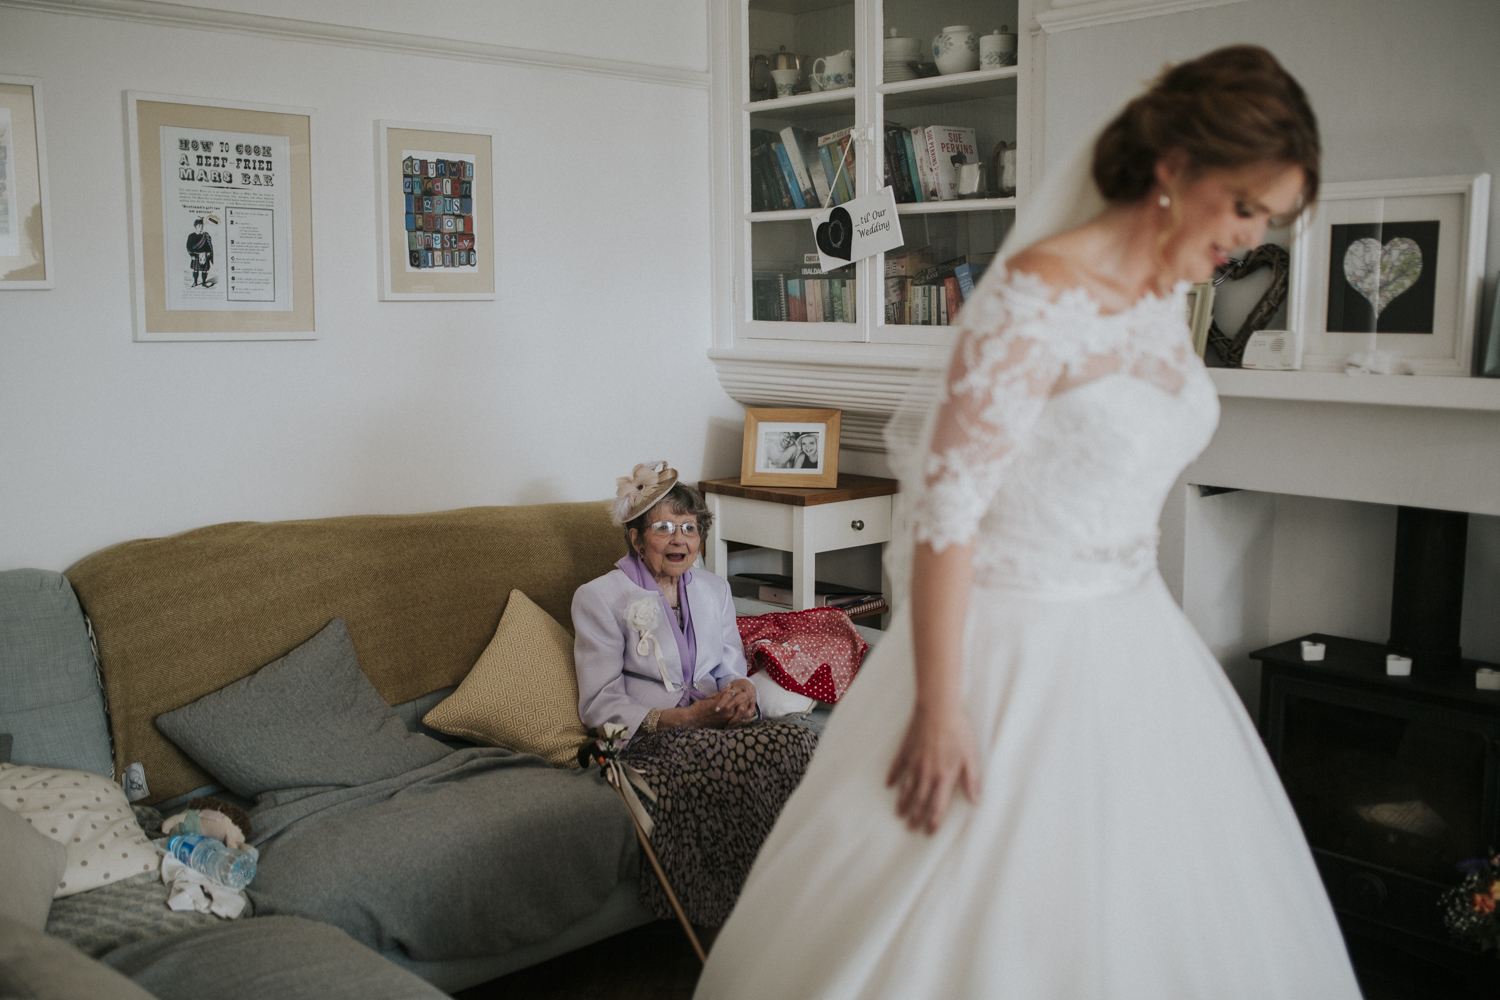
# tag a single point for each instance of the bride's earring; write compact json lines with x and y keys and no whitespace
{"x":1164,"y":201}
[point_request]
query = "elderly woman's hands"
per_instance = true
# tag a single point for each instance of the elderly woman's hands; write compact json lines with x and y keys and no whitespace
{"x":738,"y":703}
{"x":726,"y":709}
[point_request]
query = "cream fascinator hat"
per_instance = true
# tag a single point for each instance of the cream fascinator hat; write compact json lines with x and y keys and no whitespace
{"x":638,"y":492}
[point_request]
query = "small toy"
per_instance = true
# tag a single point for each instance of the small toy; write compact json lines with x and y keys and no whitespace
{"x":213,"y":818}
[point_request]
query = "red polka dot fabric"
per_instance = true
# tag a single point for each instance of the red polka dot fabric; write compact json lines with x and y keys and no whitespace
{"x":815,"y":653}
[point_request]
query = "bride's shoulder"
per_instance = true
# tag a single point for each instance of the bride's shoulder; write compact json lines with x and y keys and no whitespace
{"x":1040,"y":283}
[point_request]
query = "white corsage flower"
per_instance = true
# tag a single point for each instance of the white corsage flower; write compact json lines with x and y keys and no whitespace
{"x":643,"y":616}
{"x":612,"y":731}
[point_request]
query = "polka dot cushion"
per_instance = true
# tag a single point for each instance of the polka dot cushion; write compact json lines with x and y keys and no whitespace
{"x":88,"y":815}
{"x":815,"y":653}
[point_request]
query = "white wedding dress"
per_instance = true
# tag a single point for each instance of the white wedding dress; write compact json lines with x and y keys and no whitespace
{"x":1131,"y":838}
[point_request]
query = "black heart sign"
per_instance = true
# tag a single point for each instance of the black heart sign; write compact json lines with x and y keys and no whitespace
{"x":836,"y":236}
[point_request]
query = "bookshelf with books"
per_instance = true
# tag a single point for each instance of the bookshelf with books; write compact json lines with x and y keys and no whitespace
{"x":801,"y":152}
{"x":775,"y":344}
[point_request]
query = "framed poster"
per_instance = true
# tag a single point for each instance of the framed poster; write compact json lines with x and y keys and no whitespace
{"x":222,"y":212}
{"x":437,"y":213}
{"x":25,"y":212}
{"x":791,"y":448}
{"x":1395,"y":267}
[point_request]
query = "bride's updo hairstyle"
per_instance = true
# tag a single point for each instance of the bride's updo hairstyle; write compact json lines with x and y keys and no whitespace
{"x":1230,"y":108}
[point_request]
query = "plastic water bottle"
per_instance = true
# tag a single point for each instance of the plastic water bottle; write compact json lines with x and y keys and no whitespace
{"x":210,"y":857}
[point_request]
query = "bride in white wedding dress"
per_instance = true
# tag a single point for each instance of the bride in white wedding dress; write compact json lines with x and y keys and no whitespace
{"x":1041,"y":785}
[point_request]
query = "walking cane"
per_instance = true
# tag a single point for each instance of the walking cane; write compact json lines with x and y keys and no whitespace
{"x":621,"y":777}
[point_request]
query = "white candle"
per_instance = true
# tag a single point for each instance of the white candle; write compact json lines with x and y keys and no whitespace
{"x":1312,"y":652}
{"x":1486,"y":679}
{"x":1398,"y":666}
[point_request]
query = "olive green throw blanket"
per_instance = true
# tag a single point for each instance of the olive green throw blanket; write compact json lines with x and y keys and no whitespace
{"x":421,"y":594}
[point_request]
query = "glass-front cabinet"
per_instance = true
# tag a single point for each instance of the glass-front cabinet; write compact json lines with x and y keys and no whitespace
{"x":833,"y":100}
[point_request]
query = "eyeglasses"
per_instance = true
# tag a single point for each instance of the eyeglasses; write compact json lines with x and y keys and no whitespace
{"x":663,"y":528}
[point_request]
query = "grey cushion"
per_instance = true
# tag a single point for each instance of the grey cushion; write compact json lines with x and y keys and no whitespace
{"x":311,"y":718}
{"x":31,"y":865}
{"x":288,"y":958}
{"x":33,"y":964}
{"x":50,"y":700}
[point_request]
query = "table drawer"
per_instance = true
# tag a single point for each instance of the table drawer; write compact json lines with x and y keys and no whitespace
{"x":849,"y":523}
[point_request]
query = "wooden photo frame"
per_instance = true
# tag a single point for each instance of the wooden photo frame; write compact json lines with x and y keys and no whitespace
{"x":222,"y":213}
{"x":25,"y":211}
{"x":791,"y":448}
{"x":437,"y":211}
{"x":1364,"y":278}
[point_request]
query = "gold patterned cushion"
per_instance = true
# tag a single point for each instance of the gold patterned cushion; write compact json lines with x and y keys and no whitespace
{"x":522,"y":693}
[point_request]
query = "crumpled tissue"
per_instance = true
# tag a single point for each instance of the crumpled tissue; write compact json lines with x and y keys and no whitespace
{"x":193,"y":890}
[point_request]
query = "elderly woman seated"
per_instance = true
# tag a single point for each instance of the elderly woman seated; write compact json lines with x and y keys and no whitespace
{"x":658,"y":651}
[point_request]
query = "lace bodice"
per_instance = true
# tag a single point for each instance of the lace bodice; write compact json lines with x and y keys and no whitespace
{"x":1059,"y":431}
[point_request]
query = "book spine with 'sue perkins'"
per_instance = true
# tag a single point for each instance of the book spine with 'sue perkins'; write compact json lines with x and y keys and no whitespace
{"x":945,"y":144}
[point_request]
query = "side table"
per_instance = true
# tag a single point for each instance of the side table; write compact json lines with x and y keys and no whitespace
{"x":801,"y":521}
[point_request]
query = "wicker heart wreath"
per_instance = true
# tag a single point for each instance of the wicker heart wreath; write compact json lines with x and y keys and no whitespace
{"x":1232,"y":350}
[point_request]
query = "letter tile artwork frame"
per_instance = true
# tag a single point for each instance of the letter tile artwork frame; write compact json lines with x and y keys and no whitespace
{"x":26,"y":258}
{"x":437,"y":211}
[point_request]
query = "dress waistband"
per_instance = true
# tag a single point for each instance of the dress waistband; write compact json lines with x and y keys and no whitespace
{"x":1065,"y":573}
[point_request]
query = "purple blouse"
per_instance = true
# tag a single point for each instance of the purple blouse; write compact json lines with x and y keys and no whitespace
{"x":687,"y":641}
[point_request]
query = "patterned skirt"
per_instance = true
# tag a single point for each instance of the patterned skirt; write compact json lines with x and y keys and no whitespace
{"x":719,"y":792}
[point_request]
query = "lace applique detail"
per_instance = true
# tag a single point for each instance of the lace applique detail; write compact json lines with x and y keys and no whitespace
{"x":1020,"y":345}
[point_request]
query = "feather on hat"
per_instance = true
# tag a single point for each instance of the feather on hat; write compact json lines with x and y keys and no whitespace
{"x":638,"y":492}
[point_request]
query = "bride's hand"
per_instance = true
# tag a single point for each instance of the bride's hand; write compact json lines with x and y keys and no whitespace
{"x":937,"y":753}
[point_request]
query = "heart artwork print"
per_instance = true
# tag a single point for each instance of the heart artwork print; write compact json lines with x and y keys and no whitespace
{"x":836,"y":236}
{"x":1380,"y":273}
{"x":1382,"y":277}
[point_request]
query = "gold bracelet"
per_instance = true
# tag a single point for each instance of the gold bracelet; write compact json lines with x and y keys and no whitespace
{"x":648,"y":724}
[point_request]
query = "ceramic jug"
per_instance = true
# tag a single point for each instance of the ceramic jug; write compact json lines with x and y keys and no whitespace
{"x":835,"y":71}
{"x":956,"y":49}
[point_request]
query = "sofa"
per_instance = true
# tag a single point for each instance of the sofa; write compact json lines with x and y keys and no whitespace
{"x":421,"y":596}
{"x":477,"y":862}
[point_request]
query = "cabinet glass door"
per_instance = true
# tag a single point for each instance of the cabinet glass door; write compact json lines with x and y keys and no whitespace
{"x":949,"y":125}
{"x":800,"y":156}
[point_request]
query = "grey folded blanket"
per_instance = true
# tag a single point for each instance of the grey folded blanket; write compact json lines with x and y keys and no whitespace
{"x":475,"y":854}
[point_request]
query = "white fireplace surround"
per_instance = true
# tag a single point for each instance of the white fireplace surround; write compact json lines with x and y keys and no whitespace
{"x":1320,"y":461}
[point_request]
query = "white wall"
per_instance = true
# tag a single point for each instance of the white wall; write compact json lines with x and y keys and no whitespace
{"x":656,"y":32}
{"x":593,"y":357}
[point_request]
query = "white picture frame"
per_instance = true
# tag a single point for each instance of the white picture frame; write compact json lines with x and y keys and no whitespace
{"x":155,"y":317}
{"x":1455,"y":210}
{"x":398,"y":281}
{"x":26,"y":192}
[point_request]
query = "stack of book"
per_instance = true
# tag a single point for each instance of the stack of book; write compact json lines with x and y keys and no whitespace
{"x":921,"y":164}
{"x":795,"y":169}
{"x":805,"y":294}
{"x":776,"y":588}
{"x":921,"y":293}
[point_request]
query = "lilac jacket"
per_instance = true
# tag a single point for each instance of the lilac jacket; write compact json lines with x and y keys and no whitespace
{"x":617,"y":682}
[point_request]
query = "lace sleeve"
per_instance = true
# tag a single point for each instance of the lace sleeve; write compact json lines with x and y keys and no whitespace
{"x":1000,"y":376}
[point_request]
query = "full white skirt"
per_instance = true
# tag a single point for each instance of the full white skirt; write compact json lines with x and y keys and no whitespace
{"x":1131,"y":839}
